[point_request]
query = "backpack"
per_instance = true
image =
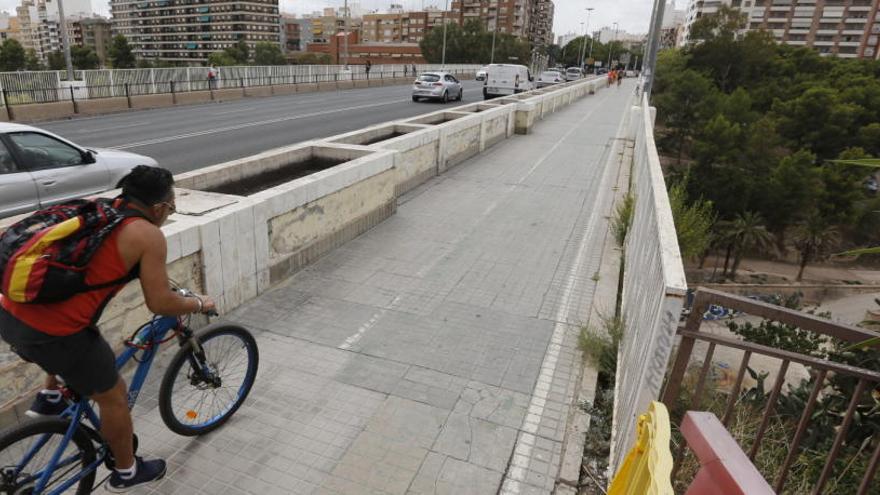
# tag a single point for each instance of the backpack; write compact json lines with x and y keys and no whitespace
{"x":43,"y":257}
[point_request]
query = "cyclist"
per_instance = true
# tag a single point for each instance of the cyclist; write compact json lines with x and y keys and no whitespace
{"x":62,"y":339}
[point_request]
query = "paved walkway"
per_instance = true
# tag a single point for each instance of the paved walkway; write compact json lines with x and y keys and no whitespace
{"x":435,"y":353}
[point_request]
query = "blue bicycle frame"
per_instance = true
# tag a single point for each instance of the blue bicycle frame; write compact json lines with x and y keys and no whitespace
{"x":151,"y":333}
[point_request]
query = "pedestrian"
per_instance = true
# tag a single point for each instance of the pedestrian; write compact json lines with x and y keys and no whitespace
{"x":212,"y":78}
{"x":367,"y":67}
{"x":405,"y":68}
{"x":414,"y":69}
{"x":619,"y":73}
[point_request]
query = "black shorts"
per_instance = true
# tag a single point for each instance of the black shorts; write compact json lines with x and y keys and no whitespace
{"x":83,"y":360}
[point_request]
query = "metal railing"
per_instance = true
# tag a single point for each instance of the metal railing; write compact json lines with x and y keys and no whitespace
{"x":19,"y":88}
{"x":821,"y":370}
{"x":654,"y":289}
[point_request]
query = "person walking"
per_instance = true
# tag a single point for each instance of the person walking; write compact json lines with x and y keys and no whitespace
{"x":367,"y":67}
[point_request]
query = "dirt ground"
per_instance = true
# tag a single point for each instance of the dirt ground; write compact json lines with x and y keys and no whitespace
{"x":782,"y":271}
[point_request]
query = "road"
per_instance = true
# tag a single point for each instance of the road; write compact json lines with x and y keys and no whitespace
{"x":189,"y":137}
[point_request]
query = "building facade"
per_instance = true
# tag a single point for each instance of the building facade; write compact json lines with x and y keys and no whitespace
{"x":93,"y":32}
{"x":398,"y":27}
{"x":360,"y":52}
{"x":842,"y":28}
{"x":188,"y":31}
{"x":541,"y":23}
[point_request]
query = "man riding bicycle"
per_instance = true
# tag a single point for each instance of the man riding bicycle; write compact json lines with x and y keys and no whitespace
{"x":61,"y":337}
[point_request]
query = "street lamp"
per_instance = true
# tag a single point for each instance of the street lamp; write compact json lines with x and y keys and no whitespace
{"x":345,"y":56}
{"x":584,"y":43}
{"x":494,"y":30}
{"x":445,"y":12}
{"x":611,"y":46}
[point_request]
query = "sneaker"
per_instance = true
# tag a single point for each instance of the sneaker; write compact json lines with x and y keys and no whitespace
{"x":43,"y":406}
{"x":147,"y":472}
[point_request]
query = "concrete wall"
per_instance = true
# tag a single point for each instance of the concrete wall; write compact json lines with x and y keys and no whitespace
{"x":236,"y":247}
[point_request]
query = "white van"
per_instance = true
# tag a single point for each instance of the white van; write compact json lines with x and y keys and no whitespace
{"x":506,"y":79}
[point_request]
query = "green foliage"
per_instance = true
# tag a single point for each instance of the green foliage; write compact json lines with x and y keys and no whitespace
{"x":623,"y":216}
{"x":266,"y":53}
{"x":238,"y":54}
{"x":12,"y":56}
{"x":120,"y":53}
{"x":31,"y":62}
{"x":56,"y":60}
{"x":309,"y":58}
{"x":84,"y":58}
{"x":814,"y":239}
{"x":693,"y":221}
{"x":472,"y":44}
{"x":599,"y":346}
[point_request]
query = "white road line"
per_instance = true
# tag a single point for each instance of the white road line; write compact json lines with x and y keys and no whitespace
{"x":248,"y":124}
{"x":522,"y":453}
{"x":357,"y":336}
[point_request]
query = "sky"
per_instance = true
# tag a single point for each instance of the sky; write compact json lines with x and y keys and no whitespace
{"x":633,"y":16}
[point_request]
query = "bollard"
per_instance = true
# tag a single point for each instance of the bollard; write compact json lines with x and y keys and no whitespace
{"x":8,"y":105}
{"x":73,"y":100}
{"x":173,"y":95}
{"x":243,"y":92}
{"x":128,"y":95}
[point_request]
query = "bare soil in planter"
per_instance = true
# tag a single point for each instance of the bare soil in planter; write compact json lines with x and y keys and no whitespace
{"x":272,"y":178}
{"x":383,"y":137}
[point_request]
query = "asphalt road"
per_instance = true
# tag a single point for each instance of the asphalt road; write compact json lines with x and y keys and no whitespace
{"x":190,"y":137}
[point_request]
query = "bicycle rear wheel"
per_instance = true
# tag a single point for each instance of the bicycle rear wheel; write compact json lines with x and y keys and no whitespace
{"x":195,"y":401}
{"x":26,"y":450}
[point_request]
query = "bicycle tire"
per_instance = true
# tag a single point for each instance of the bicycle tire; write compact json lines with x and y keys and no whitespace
{"x":56,"y":426}
{"x":180,"y":364}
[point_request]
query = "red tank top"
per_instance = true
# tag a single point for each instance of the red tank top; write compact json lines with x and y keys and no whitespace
{"x":80,"y":311}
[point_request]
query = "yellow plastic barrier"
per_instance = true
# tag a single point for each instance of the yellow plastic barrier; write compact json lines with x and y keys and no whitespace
{"x":647,"y":469}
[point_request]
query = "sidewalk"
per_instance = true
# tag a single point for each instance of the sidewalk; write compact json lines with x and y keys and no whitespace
{"x":435,"y":353}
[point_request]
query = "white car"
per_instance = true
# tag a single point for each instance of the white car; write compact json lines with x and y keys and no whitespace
{"x":39,"y":169}
{"x":549,"y":78}
{"x":481,"y":74}
{"x":573,"y":74}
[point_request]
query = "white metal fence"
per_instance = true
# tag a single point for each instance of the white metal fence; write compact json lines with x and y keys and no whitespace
{"x":654,"y":289}
{"x":50,"y":86}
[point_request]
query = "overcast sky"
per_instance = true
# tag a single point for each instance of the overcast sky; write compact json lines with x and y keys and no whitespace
{"x":633,"y":15}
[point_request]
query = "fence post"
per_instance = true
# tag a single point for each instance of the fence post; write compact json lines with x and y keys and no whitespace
{"x":73,"y":100}
{"x":211,"y":86}
{"x":153,"y":80}
{"x":8,"y":105}
{"x":271,"y":87}
{"x":128,"y":95}
{"x":243,"y":92}
{"x":173,"y":95}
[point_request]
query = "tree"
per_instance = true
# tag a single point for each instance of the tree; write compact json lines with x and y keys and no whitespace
{"x":240,"y":52}
{"x":84,"y":58}
{"x":12,"y":56}
{"x":813,"y":238}
{"x":266,"y":53}
{"x":221,"y":59}
{"x":121,"y":56}
{"x":56,"y":60}
{"x":693,"y":222}
{"x":472,"y":43}
{"x":31,"y":62}
{"x":310,"y":58}
{"x":746,"y":233}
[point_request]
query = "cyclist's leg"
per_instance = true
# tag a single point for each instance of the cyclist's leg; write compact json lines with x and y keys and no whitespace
{"x":116,"y":424}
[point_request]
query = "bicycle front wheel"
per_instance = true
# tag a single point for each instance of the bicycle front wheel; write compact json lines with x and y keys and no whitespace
{"x":27,"y":450}
{"x":194,"y":401}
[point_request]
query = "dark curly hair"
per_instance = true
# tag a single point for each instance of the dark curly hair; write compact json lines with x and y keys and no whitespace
{"x":147,"y":185}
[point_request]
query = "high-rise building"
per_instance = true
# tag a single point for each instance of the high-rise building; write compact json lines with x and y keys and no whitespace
{"x":9,"y":27}
{"x":541,"y":23}
{"x":93,"y":32}
{"x":188,"y":31}
{"x":296,"y":33}
{"x":507,"y":16}
{"x":672,"y":28}
{"x":396,"y":27}
{"x":842,"y":28}
{"x":565,"y":39}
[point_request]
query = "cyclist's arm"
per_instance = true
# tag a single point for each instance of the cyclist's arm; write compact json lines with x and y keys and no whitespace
{"x":154,"y":277}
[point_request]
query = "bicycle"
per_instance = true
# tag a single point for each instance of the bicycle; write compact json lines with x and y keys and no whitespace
{"x":49,"y":456}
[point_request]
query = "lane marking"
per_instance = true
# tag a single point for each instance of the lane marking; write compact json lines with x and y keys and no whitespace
{"x":110,"y":128}
{"x":246,"y":125}
{"x":524,"y":446}
{"x":357,"y":336}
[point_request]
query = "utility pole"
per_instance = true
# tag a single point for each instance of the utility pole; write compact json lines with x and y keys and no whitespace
{"x":494,"y":30}
{"x":445,"y":12}
{"x":65,"y":43}
{"x":650,"y":59}
{"x":584,"y":44}
{"x":345,"y":50}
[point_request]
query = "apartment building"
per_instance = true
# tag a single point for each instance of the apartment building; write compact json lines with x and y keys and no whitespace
{"x":93,"y":32}
{"x":399,"y":27}
{"x":188,"y":31}
{"x":541,"y":25}
{"x":842,"y":28}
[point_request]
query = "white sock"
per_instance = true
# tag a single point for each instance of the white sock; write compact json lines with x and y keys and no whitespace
{"x":129,"y":473}
{"x":51,"y":395}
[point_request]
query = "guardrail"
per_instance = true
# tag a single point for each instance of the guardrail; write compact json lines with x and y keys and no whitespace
{"x":654,"y":289}
{"x":52,"y":86}
{"x":821,"y":371}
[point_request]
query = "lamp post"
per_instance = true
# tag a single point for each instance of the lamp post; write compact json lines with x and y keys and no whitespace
{"x":611,"y":46}
{"x":494,"y":30}
{"x":443,"y":56}
{"x":65,"y":42}
{"x":649,"y":59}
{"x":345,"y":52}
{"x":584,"y":43}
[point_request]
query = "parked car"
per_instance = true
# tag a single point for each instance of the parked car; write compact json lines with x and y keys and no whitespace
{"x":601,"y":70}
{"x":481,"y":74}
{"x":38,"y":169}
{"x":573,"y":74}
{"x":630,"y":73}
{"x":437,"y":86}
{"x":507,"y":79}
{"x":549,"y":77}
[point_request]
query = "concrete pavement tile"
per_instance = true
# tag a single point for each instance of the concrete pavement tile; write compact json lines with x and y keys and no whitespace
{"x":476,"y":441}
{"x":444,"y":475}
{"x":407,"y":421}
{"x":493,"y":404}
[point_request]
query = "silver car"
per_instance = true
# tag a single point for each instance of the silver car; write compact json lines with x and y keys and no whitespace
{"x":573,"y":74}
{"x":441,"y":86}
{"x":481,"y":74}
{"x":38,"y":169}
{"x":549,"y":78}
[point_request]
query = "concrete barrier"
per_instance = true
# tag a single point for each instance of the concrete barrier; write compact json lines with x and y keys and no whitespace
{"x":229,"y":94}
{"x":307,"y":88}
{"x":41,"y":111}
{"x":236,"y":246}
{"x":151,"y":101}
{"x":193,"y":97}
{"x":258,"y":91}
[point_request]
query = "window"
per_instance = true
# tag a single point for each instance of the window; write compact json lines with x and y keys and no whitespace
{"x":41,"y":151}
{"x":7,"y":163}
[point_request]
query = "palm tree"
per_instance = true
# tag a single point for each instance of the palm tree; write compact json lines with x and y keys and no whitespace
{"x":813,"y":238}
{"x":746,"y":233}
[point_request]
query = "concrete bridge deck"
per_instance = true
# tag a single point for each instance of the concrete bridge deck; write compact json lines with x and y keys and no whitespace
{"x":437,"y":352}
